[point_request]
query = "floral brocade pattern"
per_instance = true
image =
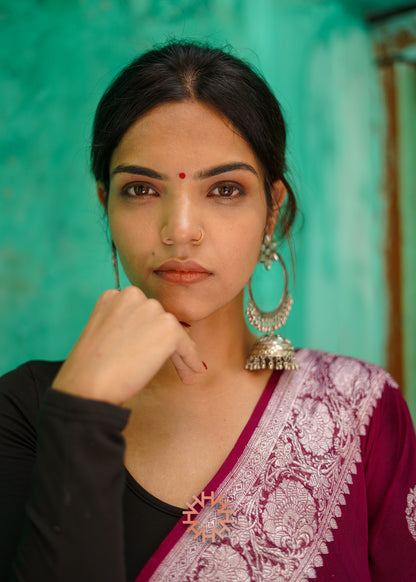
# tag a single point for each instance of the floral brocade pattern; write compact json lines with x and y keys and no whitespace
{"x":288,"y":488}
{"x":411,"y":512}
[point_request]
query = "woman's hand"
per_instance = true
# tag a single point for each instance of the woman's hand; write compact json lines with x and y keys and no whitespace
{"x":127,"y":339}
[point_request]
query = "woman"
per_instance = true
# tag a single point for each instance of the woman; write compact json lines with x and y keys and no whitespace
{"x":157,"y":455}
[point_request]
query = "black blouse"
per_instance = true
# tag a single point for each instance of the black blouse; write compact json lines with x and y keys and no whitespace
{"x":69,"y":510}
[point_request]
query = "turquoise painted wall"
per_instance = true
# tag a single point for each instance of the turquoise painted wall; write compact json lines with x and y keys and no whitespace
{"x":406,"y":83}
{"x":55,"y":61}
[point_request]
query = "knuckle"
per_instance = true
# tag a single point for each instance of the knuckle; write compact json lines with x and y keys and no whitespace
{"x":130,"y":292}
{"x":107,"y":296}
{"x":154,"y":306}
{"x":169,"y":322}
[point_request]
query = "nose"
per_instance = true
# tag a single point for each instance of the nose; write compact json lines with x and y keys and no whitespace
{"x":181,"y":220}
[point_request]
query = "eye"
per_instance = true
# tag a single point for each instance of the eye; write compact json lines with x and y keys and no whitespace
{"x":138,"y":189}
{"x":226,"y":191}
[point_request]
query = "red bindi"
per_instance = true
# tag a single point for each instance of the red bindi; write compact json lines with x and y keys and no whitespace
{"x":182,"y":175}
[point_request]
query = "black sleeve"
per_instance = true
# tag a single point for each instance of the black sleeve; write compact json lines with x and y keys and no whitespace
{"x":62,"y":483}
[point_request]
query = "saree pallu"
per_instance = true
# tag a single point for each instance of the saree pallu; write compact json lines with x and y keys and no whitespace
{"x":321,"y":485}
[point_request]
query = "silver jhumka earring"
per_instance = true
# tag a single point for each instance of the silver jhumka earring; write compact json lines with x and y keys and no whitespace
{"x":271,"y":350}
{"x":115,"y":266}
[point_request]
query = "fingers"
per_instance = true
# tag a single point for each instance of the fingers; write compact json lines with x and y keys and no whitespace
{"x":108,"y":305}
{"x":184,"y":354}
{"x":127,"y":339}
{"x":188,"y":364}
{"x":171,"y":339}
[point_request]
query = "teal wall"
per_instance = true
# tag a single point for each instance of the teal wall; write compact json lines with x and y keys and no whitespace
{"x":406,"y":83}
{"x":56,"y":58}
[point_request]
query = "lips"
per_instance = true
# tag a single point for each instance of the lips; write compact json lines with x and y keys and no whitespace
{"x":182,"y":272}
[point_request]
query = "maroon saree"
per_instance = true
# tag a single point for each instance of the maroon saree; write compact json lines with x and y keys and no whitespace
{"x":321,"y":485}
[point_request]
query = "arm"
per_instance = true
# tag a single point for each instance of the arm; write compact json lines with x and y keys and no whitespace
{"x":390,"y":458}
{"x":73,"y":524}
{"x":19,"y":404}
{"x":72,"y":529}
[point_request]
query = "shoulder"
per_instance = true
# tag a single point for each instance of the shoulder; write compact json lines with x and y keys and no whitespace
{"x":352,"y":389}
{"x":22,"y":389}
{"x":344,"y":374}
{"x":39,"y":373}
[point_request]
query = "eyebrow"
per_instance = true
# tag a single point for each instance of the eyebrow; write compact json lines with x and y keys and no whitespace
{"x":139,"y":170}
{"x":201,"y":175}
{"x":225,"y":168}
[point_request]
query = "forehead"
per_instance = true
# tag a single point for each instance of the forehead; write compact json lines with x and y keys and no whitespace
{"x":185,"y":136}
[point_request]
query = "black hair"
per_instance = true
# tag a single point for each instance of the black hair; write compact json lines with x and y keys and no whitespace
{"x":181,"y":71}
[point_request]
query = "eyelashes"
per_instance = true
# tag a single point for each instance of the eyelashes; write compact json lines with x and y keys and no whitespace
{"x":138,"y":190}
{"x":227,"y":190}
{"x":221,"y":190}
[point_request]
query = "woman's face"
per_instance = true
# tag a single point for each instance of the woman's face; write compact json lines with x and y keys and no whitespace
{"x":179,"y":173}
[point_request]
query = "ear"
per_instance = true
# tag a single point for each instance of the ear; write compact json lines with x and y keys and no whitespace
{"x":278,"y":194}
{"x":102,"y":195}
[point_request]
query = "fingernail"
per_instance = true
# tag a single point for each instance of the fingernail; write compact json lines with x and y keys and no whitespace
{"x":185,"y":324}
{"x":205,"y":366}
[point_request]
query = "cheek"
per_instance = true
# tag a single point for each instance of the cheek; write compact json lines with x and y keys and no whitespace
{"x":129,"y":229}
{"x":243,"y":250}
{"x":134,"y":244}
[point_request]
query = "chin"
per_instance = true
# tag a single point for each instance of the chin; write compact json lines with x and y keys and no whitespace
{"x":190,"y":305}
{"x":189,"y":310}
{"x":185,"y":314}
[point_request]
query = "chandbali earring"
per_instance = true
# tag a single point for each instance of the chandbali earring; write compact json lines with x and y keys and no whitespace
{"x":115,"y":266}
{"x":271,"y":350}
